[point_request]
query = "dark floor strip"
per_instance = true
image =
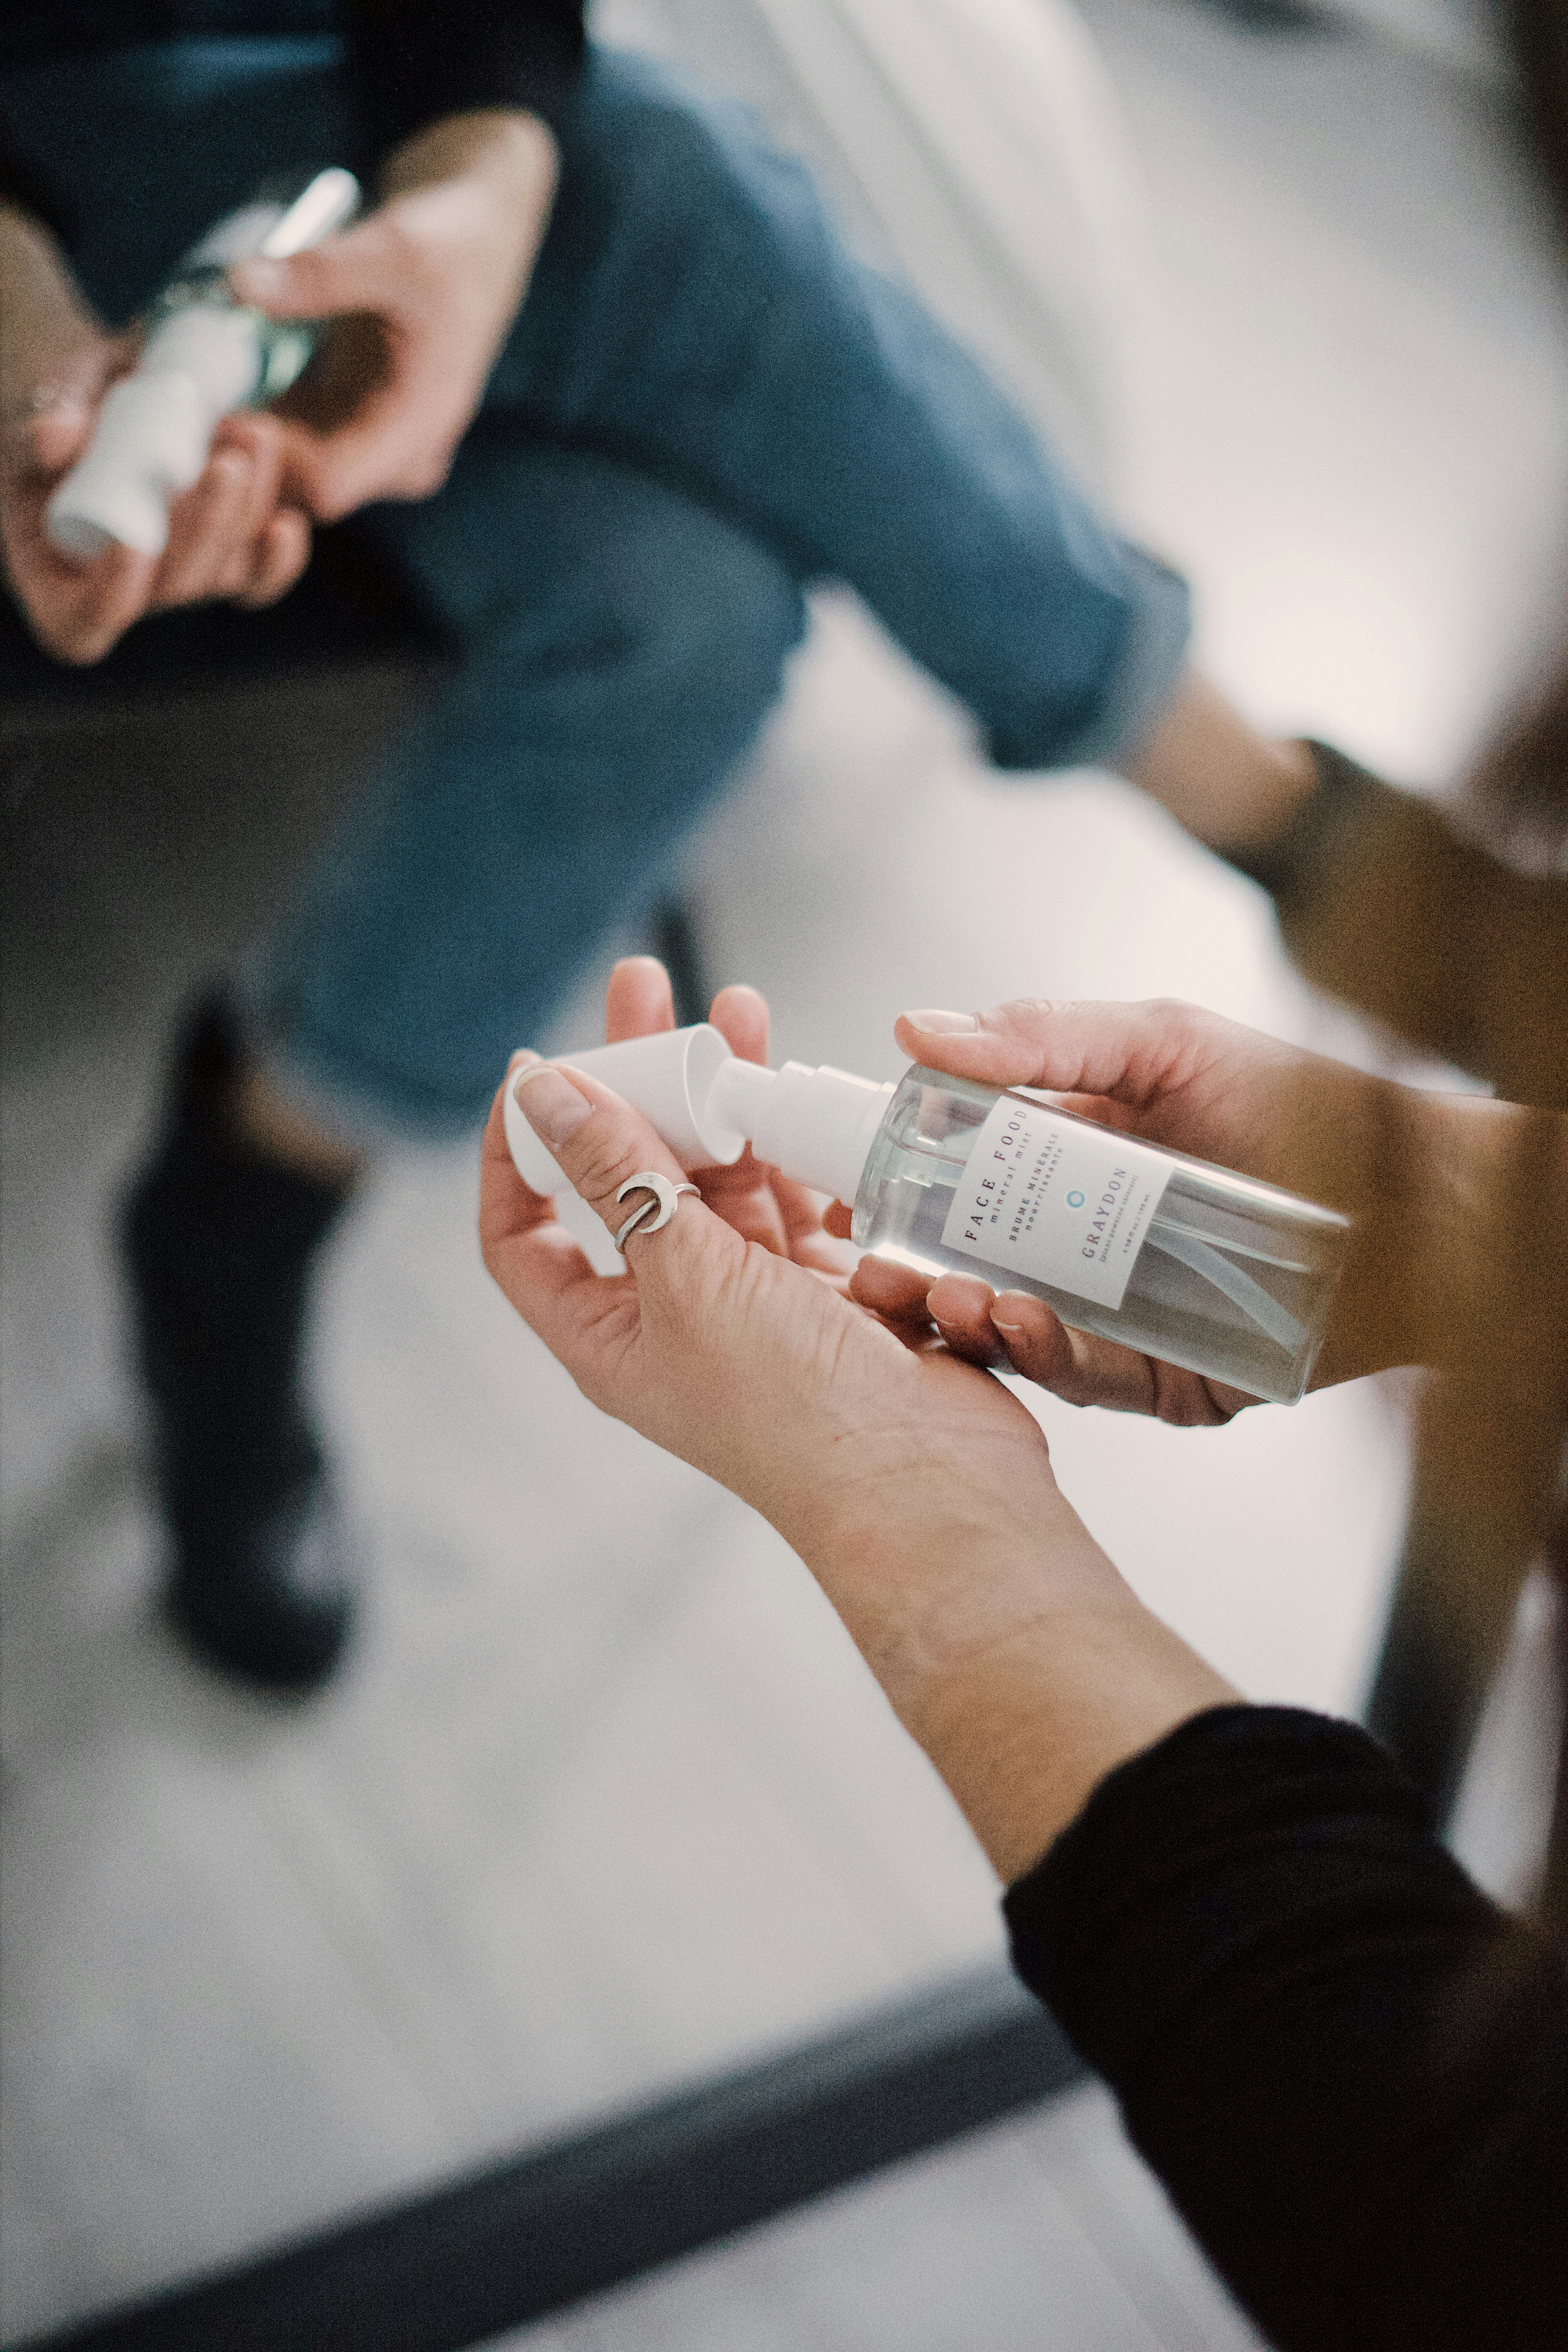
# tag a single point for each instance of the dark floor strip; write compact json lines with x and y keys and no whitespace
{"x":566,"y":2220}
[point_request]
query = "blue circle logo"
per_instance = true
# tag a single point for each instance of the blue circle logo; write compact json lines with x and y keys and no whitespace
{"x":1075,"y":1200}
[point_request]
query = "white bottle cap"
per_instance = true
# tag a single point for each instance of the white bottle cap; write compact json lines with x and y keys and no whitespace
{"x":153,"y":433}
{"x":815,"y":1125}
{"x":669,"y":1077}
{"x":217,"y":345}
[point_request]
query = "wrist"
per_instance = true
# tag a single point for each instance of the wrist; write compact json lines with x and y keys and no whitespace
{"x":936,"y":1590}
{"x":927,"y":1588}
{"x":514,"y":151}
{"x":1021,"y":1662}
{"x":1230,"y":787}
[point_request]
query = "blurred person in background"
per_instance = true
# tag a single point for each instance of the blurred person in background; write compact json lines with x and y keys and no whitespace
{"x":605,"y":392}
{"x":1347,"y":2066}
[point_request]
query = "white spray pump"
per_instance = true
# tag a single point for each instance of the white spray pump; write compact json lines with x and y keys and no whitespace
{"x":816,"y":1126}
{"x":206,"y":353}
{"x":1187,"y":1261}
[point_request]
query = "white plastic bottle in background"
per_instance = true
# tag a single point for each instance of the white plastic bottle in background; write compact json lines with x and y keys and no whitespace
{"x":205,"y":353}
{"x":1189,"y":1262}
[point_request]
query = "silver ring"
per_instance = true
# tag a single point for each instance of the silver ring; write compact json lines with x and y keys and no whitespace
{"x":665,"y":1196}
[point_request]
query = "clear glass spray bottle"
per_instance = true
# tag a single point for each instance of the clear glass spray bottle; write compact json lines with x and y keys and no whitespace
{"x":1183,"y":1260}
{"x":1188,"y":1262}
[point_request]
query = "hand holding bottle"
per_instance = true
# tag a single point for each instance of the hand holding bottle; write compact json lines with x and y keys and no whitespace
{"x":1408,"y":1167}
{"x":230,"y":535}
{"x":918,"y":1490}
{"x":422,"y":293}
{"x":1190,"y":1266}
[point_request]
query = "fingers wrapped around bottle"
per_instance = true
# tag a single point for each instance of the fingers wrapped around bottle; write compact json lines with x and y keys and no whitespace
{"x":1013,"y":1331}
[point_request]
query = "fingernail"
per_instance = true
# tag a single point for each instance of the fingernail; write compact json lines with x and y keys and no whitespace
{"x":551,"y":1104}
{"x":942,"y":1024}
{"x":1016,"y":1298}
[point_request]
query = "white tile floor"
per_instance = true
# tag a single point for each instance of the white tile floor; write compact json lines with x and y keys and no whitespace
{"x":606,"y":1799}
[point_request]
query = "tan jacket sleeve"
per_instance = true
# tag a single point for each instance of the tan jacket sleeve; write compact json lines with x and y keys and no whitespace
{"x":1385,"y":902}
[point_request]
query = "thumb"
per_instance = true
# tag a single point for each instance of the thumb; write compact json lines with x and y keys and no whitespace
{"x":49,"y":431}
{"x":355,"y":271}
{"x":599,"y":1143}
{"x":54,"y":438}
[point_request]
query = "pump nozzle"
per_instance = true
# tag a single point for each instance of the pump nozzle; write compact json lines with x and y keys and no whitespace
{"x":816,"y":1126}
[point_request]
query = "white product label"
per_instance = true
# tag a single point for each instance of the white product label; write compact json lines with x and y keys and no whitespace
{"x":1066,"y":1204}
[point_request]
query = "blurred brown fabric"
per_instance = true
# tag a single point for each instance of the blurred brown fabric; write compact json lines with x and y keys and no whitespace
{"x":1538,"y":29}
{"x":1385,"y":902}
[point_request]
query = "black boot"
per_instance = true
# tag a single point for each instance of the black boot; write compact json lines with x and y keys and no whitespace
{"x":219,"y":1241}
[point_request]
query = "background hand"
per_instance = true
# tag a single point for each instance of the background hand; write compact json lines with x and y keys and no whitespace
{"x":228,"y":535}
{"x":424,"y":293}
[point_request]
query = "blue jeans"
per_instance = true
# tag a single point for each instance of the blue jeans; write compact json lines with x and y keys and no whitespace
{"x":705,"y":404}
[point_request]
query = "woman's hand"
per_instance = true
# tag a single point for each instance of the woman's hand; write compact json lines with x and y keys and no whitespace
{"x":229,"y":536}
{"x":917,"y":1488}
{"x":723,"y":1341}
{"x":1206,"y":1086}
{"x":423,"y":292}
{"x":758,"y":1203}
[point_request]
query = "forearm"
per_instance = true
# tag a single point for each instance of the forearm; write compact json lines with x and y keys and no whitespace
{"x":514,"y":151}
{"x":1016,"y":1657}
{"x":41,"y":308}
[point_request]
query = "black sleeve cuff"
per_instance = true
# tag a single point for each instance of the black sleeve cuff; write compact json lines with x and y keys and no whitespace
{"x":1348,"y":2067}
{"x":413,"y":63}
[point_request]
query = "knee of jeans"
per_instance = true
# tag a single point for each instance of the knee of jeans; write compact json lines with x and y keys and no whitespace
{"x":709,"y":619}
{"x":670,"y":147}
{"x":720,"y":639}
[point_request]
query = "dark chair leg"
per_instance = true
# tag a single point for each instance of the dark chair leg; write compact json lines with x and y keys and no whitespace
{"x":1552,"y":1899}
{"x":1448,"y":1629}
{"x":679,"y":949}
